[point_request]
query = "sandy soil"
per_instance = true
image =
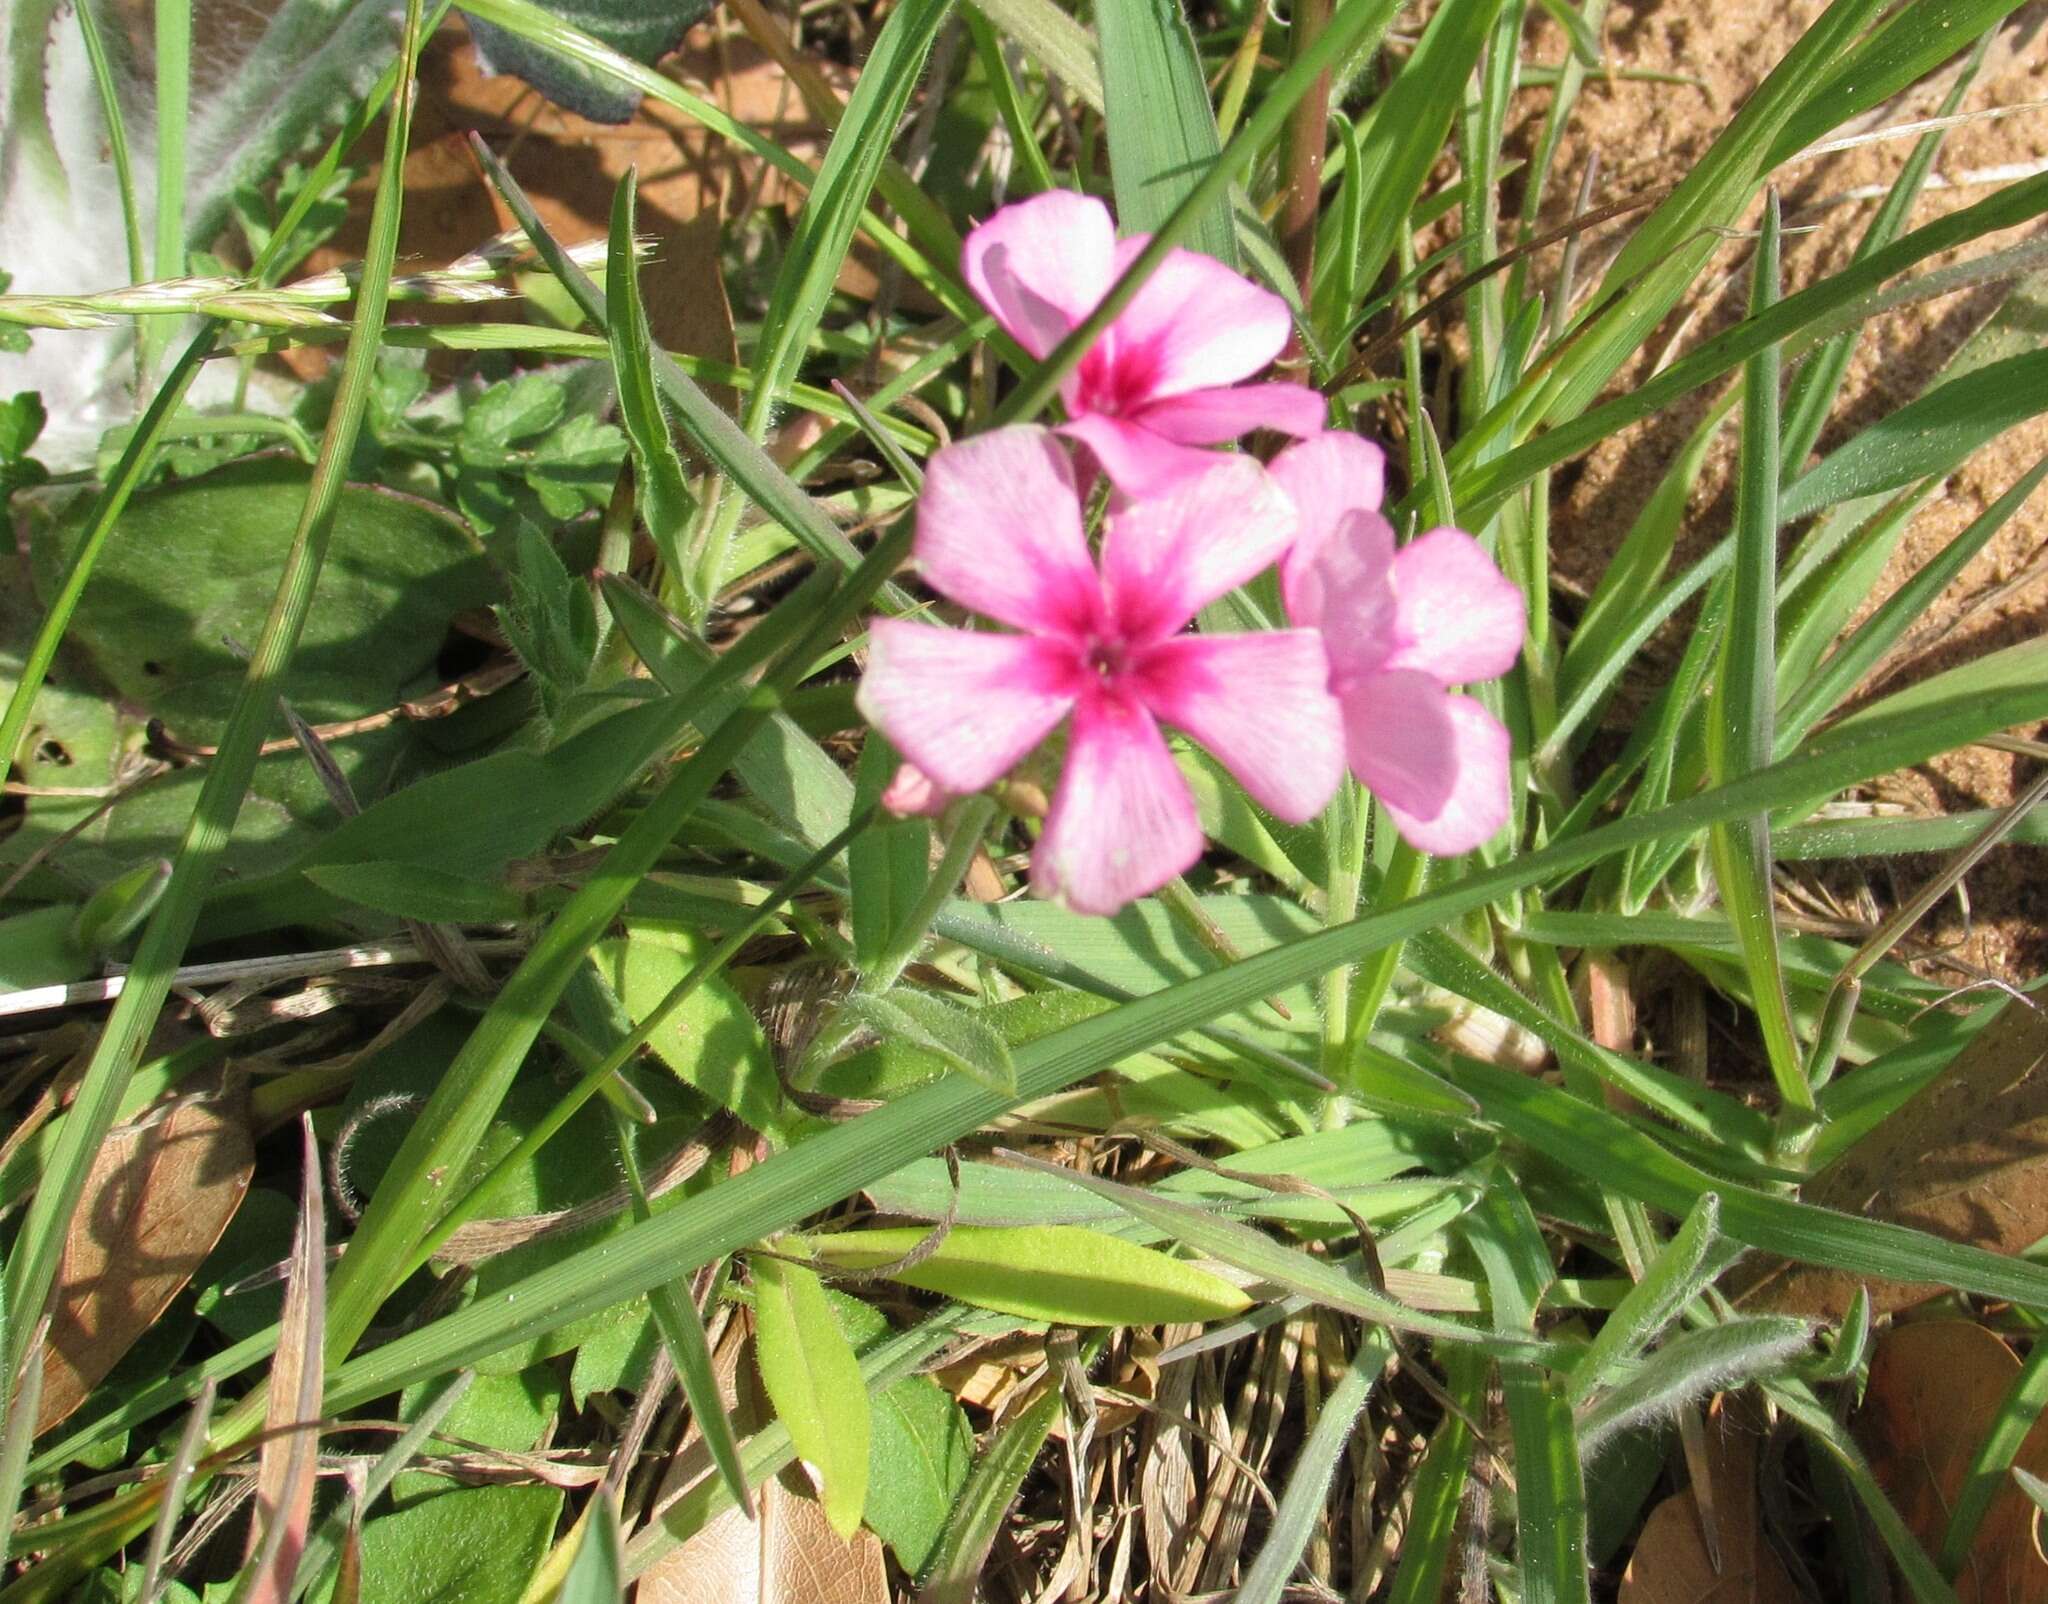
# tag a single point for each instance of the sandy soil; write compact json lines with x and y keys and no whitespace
{"x":1647,"y":135}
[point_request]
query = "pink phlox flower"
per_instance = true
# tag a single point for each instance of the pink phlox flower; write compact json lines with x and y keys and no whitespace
{"x":1165,"y":377}
{"x":999,"y":530}
{"x":1400,"y":628}
{"x":912,"y":794}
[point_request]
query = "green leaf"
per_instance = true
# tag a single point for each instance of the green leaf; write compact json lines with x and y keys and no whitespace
{"x":1400,"y":140}
{"x":507,"y":412}
{"x":478,"y":1545}
{"x":888,"y":862}
{"x":193,"y":566}
{"x":712,"y":1041}
{"x":985,"y":1502}
{"x":1550,"y":1488}
{"x":814,"y":1381}
{"x":956,"y":1035}
{"x":919,"y":1455}
{"x":1162,"y":129}
{"x":1067,"y":1274}
{"x":645,"y":30}
{"x":1671,"y":1281}
{"x":1690,"y":1365}
{"x":416,"y":891}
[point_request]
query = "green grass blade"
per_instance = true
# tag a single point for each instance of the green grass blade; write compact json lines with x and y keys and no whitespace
{"x":1481,"y":480}
{"x":1912,"y":42}
{"x":1054,"y":40}
{"x":832,"y":211}
{"x":1431,"y":1537}
{"x":117,"y":138}
{"x":665,"y":503}
{"x":32,"y":1266}
{"x":1741,"y":715}
{"x":1986,"y":1476}
{"x":1868,"y":644}
{"x":1691,"y":1365}
{"x":1550,"y":1490}
{"x":173,"y":117}
{"x":1162,"y":129}
{"x":992,"y":1485}
{"x":1402,"y":137}
{"x":1925,"y":435}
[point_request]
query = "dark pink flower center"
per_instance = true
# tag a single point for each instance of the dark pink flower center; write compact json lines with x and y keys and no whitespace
{"x":1115,"y":379}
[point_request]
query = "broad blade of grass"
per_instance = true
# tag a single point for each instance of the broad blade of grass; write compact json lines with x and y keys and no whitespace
{"x":1550,"y":1490}
{"x":1162,"y":129}
{"x":1674,"y":1278}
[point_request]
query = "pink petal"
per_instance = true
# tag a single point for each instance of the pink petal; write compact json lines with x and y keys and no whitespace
{"x":1327,"y":477}
{"x":1261,"y":703}
{"x":1165,"y":558}
{"x":1347,"y":592}
{"x":1196,"y":324}
{"x":1438,"y":761}
{"x":1042,"y":265}
{"x":1122,"y":822}
{"x":999,"y":530}
{"x":1210,"y":417}
{"x":914,"y":794}
{"x":965,"y":708}
{"x":1138,"y":461}
{"x":1459,"y":617}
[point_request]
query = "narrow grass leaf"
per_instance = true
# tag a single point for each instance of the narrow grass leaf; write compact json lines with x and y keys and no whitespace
{"x":1988,"y":1468}
{"x":1161,"y":127}
{"x":1481,"y":478}
{"x":814,"y":1381}
{"x":1873,"y":639}
{"x":1927,"y":435}
{"x":985,"y":1503}
{"x":1053,"y":39}
{"x":1671,"y":1281}
{"x":664,"y":500}
{"x":1431,"y":1535}
{"x":1741,"y":714}
{"x":1315,"y":1467}
{"x":1550,"y":1488}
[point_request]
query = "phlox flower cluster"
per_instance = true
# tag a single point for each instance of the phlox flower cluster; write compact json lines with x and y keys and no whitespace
{"x":1098,"y":643}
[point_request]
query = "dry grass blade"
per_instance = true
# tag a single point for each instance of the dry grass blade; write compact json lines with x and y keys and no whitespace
{"x":177,"y":1477}
{"x":156,"y":1200}
{"x":286,"y":1465}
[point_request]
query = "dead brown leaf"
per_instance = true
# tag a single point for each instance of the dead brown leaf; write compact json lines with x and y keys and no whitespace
{"x":790,"y":1555}
{"x":1966,"y":1158}
{"x":156,"y":1200}
{"x":1671,"y":1563}
{"x":1935,"y":1388}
